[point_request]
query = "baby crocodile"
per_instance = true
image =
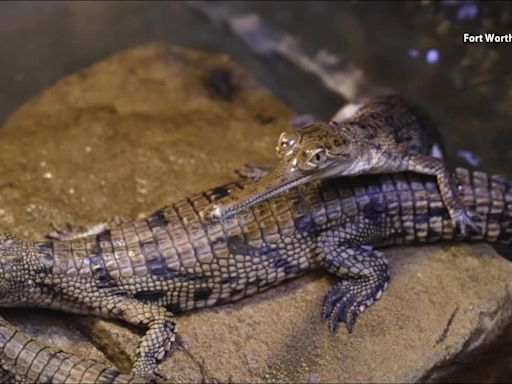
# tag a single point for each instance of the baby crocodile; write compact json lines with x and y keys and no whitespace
{"x":143,"y":271}
{"x":386,"y":135}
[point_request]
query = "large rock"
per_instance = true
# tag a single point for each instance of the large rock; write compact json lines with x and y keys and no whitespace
{"x":153,"y":124}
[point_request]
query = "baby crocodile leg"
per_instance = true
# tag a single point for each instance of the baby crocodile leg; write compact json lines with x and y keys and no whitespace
{"x":461,"y":217}
{"x":364,"y":274}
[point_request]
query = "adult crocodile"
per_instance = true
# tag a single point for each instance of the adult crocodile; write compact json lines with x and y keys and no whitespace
{"x":143,"y":271}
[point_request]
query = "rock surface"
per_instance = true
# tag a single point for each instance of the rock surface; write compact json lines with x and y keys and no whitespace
{"x":153,"y":124}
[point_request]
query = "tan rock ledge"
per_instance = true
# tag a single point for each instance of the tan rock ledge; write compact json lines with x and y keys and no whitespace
{"x":153,"y":124}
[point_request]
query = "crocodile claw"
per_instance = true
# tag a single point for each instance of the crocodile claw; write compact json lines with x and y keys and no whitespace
{"x":159,"y":377}
{"x":468,"y":222}
{"x":348,"y":299}
{"x":345,"y":311}
{"x":252,"y":172}
{"x":65,"y":232}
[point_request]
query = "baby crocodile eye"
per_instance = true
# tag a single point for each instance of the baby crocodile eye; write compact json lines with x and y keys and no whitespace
{"x":317,"y":157}
{"x":285,"y":142}
{"x":314,"y":158}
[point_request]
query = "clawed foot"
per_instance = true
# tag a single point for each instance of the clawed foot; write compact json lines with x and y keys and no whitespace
{"x":252,"y":172}
{"x":156,"y":344}
{"x":66,"y":232}
{"x":147,"y":366}
{"x":349,"y":298}
{"x":160,"y":377}
{"x":147,"y":369}
{"x":467,"y":221}
{"x":72,"y":232}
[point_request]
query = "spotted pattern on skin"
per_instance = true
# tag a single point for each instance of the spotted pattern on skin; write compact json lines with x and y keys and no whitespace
{"x":387,"y":134}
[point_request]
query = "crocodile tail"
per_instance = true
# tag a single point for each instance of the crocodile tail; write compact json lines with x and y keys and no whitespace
{"x":48,"y":364}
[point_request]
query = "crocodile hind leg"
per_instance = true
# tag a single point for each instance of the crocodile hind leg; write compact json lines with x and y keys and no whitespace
{"x":364,"y":274}
{"x":461,"y":217}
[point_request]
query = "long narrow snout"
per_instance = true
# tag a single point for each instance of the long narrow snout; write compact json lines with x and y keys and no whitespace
{"x":280,"y":178}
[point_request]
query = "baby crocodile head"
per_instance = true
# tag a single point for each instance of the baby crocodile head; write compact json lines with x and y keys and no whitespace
{"x":314,"y":152}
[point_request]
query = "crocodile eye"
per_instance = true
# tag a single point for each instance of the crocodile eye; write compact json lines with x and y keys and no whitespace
{"x":318,"y":157}
{"x":284,"y":143}
{"x":313,"y":159}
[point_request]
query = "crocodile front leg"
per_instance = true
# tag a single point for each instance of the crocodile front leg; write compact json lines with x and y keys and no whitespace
{"x":364,"y":274}
{"x":160,"y":334}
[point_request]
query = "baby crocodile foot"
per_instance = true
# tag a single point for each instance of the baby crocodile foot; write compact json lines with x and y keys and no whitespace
{"x":73,"y":232}
{"x":348,"y":299}
{"x":252,"y":172}
{"x":466,"y":221}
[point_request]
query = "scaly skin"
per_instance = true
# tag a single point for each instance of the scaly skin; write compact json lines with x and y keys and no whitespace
{"x":386,"y":135}
{"x":142,"y":271}
{"x":25,"y":360}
